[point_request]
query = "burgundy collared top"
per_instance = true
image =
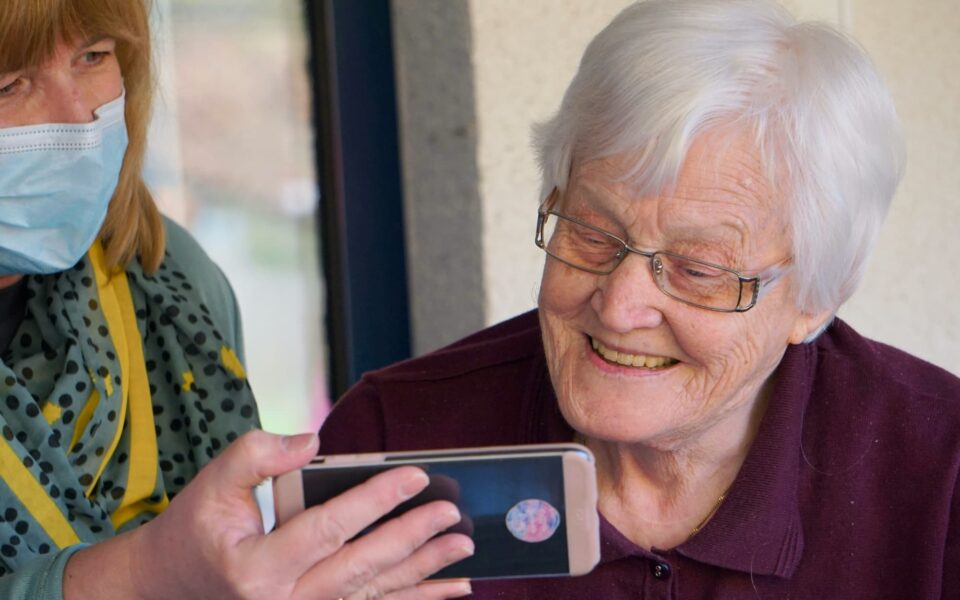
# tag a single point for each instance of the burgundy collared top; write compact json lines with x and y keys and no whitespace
{"x":850,"y":489}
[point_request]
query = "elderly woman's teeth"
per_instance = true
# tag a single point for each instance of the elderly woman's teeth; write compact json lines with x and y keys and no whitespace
{"x":630,"y":360}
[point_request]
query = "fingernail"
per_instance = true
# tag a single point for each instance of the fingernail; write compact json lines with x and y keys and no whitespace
{"x":464,"y":551}
{"x":463,"y":588}
{"x":452,"y":588}
{"x":448,"y":517}
{"x":298,"y":443}
{"x":414,"y":484}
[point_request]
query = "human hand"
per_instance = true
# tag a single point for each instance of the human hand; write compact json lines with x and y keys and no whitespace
{"x":209,"y":543}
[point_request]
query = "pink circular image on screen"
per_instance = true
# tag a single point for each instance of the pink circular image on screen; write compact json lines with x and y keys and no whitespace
{"x":532,"y":520}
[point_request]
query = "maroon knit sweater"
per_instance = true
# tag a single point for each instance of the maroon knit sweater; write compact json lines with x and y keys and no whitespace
{"x":850,"y":489}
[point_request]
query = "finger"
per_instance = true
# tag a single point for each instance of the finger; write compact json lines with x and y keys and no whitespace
{"x":451,"y":588}
{"x":257,"y":455}
{"x":433,"y":590}
{"x":320,"y":531}
{"x":426,"y":561}
{"x":428,"y":590}
{"x":364,"y":559}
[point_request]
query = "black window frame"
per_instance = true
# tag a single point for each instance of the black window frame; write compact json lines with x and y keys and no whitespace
{"x":360,"y":220}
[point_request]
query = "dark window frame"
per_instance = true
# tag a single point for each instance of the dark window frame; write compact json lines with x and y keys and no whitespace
{"x":360,"y":219}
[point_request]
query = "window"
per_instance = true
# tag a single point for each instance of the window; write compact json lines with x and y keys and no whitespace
{"x":231,"y":159}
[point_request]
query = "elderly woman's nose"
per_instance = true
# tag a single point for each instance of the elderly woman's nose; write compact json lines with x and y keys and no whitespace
{"x":628,"y":298}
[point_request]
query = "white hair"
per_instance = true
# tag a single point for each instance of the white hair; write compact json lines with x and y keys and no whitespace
{"x":828,"y":135}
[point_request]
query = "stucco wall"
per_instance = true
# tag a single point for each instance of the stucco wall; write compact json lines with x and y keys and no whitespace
{"x":521,"y":57}
{"x":910,"y":295}
{"x":438,"y":141}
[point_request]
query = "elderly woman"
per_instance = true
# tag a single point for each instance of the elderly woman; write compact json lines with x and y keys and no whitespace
{"x":713,"y":183}
{"x":127,"y":458}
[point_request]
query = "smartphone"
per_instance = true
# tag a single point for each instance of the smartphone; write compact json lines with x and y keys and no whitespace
{"x":530,"y":510}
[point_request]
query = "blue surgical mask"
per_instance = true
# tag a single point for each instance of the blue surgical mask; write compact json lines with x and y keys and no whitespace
{"x":56,"y":181}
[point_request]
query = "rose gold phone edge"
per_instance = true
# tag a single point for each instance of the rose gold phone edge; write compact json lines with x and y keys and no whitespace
{"x":580,"y":498}
{"x":580,"y":491}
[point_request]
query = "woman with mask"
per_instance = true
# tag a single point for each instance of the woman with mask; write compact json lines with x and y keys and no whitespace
{"x":129,"y":447}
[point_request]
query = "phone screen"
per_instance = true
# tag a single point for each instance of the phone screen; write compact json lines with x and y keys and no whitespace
{"x":512,"y":506}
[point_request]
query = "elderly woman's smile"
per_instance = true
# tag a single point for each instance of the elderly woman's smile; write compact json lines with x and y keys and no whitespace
{"x":631,"y":358}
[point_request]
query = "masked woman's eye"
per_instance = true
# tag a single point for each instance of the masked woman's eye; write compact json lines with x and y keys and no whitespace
{"x":94,"y":57}
{"x":10,"y":87}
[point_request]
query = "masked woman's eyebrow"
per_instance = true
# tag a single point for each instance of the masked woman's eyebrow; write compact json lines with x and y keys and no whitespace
{"x":93,"y":39}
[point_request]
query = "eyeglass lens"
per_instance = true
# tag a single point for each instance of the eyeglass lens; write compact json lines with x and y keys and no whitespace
{"x":601,"y":252}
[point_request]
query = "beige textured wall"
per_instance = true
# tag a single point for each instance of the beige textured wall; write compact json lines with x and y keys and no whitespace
{"x":911,"y":295}
{"x":523,"y":54}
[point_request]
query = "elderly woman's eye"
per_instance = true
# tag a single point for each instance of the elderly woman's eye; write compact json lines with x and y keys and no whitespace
{"x":678,"y":265}
{"x":699,"y":273}
{"x":693,"y":272}
{"x":595,"y":240}
{"x":597,"y":245}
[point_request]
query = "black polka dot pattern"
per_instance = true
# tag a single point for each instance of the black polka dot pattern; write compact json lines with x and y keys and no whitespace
{"x":61,"y":400}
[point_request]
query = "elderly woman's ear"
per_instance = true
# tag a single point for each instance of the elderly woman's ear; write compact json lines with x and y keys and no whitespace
{"x":809,"y":325}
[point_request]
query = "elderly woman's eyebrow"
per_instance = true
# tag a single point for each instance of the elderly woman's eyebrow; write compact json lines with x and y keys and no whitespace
{"x":730,"y":230}
{"x":725,"y":238}
{"x":589,"y":198}
{"x":591,"y":202}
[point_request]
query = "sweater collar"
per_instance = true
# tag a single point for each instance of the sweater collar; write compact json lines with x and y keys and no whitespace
{"x":758,"y":528}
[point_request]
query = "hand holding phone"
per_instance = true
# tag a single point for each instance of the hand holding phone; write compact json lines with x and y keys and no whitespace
{"x":531,"y":510}
{"x":210,"y":542}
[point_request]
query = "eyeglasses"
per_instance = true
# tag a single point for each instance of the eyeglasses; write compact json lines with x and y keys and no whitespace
{"x":692,"y":281}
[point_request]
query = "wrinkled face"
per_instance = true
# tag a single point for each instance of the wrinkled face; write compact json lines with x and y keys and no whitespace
{"x":702,"y":371}
{"x":80,"y":77}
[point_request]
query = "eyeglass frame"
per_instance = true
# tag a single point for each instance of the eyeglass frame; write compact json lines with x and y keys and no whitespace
{"x":761,"y":281}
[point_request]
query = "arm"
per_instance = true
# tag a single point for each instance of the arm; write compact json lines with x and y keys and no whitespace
{"x":40,"y":579}
{"x":209,"y":542}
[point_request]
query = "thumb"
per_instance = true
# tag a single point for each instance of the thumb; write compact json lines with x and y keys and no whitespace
{"x":257,"y":455}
